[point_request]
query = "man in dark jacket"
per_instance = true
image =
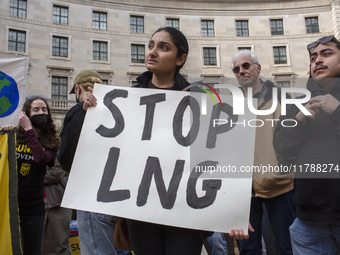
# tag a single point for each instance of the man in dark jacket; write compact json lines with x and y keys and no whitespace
{"x":313,"y":148}
{"x":95,"y":230}
{"x":74,"y":118}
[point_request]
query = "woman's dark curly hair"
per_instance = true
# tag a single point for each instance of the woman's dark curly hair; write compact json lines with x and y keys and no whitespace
{"x":48,"y":137}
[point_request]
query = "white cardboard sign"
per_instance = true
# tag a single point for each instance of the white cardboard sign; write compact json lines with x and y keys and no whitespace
{"x":139,"y":156}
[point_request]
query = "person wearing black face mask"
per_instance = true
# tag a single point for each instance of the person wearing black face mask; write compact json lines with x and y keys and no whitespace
{"x":37,"y":145}
{"x":39,"y":121}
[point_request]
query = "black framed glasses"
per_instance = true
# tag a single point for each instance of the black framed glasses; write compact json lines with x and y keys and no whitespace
{"x":312,"y":46}
{"x":245,"y":66}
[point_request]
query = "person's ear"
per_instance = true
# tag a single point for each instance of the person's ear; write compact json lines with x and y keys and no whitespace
{"x":181,"y":60}
{"x":258,"y":68}
{"x":77,"y":90}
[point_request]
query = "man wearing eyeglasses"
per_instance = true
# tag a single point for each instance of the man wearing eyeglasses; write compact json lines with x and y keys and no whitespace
{"x":314,"y":143}
{"x":271,"y":191}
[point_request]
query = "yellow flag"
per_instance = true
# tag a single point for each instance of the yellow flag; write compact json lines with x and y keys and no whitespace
{"x":9,"y":215}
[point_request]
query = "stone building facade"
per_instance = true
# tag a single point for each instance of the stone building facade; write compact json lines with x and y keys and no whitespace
{"x":60,"y":38}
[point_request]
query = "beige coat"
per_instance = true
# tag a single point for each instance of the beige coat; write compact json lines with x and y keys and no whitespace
{"x":269,"y":184}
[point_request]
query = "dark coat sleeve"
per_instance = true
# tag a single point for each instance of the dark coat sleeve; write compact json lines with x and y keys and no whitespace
{"x":69,"y":136}
{"x":287,"y":140}
{"x":54,"y":185}
{"x":54,"y":174}
{"x":335,"y":118}
{"x":41,"y":156}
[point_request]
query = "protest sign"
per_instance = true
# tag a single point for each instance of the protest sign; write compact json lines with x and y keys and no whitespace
{"x":151,"y":155}
{"x":13,"y":80}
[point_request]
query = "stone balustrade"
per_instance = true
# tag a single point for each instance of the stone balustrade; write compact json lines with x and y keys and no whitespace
{"x":61,"y":105}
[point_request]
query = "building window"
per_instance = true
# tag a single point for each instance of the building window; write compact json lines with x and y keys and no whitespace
{"x":105,"y":82}
{"x":243,"y":48}
{"x":242,"y":28}
{"x":60,"y":15}
{"x":280,"y":55}
{"x":136,"y":24}
{"x":18,"y":8}
{"x":134,"y":83}
{"x":209,"y":56}
{"x":16,"y":40}
{"x":137,"y":53}
{"x":99,"y":20}
{"x":100,"y":51}
{"x":283,"y":84}
{"x":276,"y":26}
{"x":59,"y":88}
{"x":172,"y":23}
{"x":207,"y":28}
{"x":60,"y":46}
{"x":312,"y":25}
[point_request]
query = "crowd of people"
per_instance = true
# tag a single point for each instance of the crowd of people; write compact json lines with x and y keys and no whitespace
{"x":291,"y":213}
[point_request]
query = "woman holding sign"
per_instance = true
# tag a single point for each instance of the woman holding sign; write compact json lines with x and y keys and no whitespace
{"x":166,"y":54}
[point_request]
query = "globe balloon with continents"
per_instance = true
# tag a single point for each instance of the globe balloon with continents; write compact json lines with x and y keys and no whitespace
{"x":9,"y":95}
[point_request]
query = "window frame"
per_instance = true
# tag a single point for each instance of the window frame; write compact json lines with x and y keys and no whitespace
{"x":137,"y":44}
{"x":284,"y":77}
{"x":217,"y":50}
{"x":276,"y":31}
{"x":94,"y":40}
{"x":68,"y":46}
{"x":59,"y":94}
{"x":26,"y":31}
{"x":100,"y":13}
{"x":238,"y":46}
{"x":283,"y":81}
{"x":136,"y":26}
{"x":242,"y":29}
{"x":210,"y":32}
{"x":310,"y":26}
{"x":17,"y":8}
{"x":60,"y":14}
{"x":288,"y":63}
{"x":172,"y":19}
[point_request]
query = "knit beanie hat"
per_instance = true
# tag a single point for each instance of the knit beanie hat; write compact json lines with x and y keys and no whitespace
{"x":85,"y":76}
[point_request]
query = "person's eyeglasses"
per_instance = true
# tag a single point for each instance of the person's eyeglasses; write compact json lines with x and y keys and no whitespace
{"x":312,"y":46}
{"x":245,"y":66}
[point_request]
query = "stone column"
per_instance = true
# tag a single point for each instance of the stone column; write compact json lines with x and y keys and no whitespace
{"x":335,"y":6}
